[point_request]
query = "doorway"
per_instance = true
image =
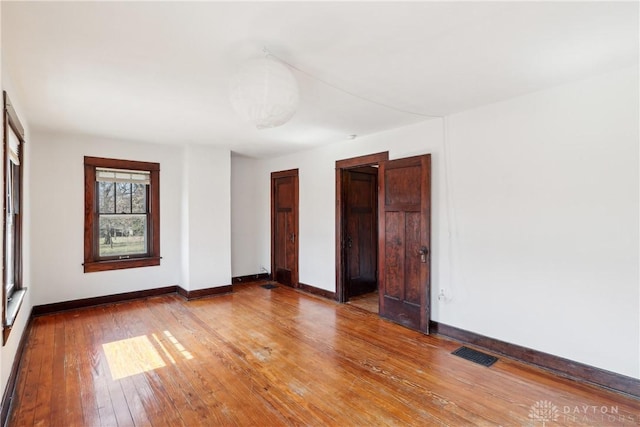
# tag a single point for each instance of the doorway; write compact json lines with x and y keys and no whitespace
{"x":360,"y":249}
{"x":357,"y":230}
{"x":284,"y":227}
{"x":402,"y":236}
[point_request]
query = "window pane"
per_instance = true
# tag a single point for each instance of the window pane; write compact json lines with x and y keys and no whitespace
{"x":15,"y":189}
{"x":120,"y":230}
{"x":123,"y":197}
{"x":122,"y":235}
{"x":139,"y":198}
{"x":10,"y":227}
{"x":105,"y":197}
{"x":9,"y":255}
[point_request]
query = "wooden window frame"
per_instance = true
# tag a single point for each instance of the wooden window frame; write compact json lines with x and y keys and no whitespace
{"x":12,"y":303}
{"x":92,"y":261}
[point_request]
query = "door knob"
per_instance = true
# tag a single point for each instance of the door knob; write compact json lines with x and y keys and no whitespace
{"x":292,"y":237}
{"x":423,"y":251}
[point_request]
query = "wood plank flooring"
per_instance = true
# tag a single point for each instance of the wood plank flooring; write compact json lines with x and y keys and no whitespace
{"x":262,"y":357}
{"x":367,"y":302}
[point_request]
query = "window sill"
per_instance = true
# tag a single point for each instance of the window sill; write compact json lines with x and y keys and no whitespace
{"x":120,"y":264}
{"x":13,"y":306}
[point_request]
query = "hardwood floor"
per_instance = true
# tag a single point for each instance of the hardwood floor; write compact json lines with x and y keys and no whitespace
{"x":278,"y":357}
{"x":367,"y":302}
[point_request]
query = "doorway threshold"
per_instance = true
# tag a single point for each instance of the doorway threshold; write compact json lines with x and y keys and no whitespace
{"x":368,"y":302}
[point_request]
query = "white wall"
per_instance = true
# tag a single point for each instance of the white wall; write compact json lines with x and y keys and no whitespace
{"x":57,"y":193}
{"x":543,"y":207}
{"x":207,"y":254}
{"x":546,"y":197}
{"x":245,"y":253}
{"x":198,"y":259}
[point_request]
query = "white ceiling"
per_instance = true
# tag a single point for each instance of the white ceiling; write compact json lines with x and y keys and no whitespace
{"x":159,"y":71}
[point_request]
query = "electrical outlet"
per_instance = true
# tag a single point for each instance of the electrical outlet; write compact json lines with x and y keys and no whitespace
{"x":442,"y":295}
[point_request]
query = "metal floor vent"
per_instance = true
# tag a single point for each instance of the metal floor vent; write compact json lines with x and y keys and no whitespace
{"x":475,"y":356}
{"x":269,"y":286}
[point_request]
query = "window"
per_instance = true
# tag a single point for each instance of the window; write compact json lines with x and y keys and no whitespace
{"x":12,"y":290}
{"x":122,"y":214}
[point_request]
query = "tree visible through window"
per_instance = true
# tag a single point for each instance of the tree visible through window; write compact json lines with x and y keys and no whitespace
{"x":122,"y":197}
{"x":122,"y":214}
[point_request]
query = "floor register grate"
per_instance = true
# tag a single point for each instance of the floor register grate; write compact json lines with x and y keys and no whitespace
{"x":475,"y":356}
{"x":269,"y":286}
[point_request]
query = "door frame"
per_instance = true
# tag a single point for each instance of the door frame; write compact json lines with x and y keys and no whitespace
{"x":342,"y":165}
{"x":284,"y":174}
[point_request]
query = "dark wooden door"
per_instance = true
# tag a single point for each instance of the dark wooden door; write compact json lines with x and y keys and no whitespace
{"x":284,"y":227}
{"x":361,"y":230}
{"x":404,"y":241}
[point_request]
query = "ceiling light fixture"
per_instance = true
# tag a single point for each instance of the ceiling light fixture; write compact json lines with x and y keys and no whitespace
{"x":264,"y":92}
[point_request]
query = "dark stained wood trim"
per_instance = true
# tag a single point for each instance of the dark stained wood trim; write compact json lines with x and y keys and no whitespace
{"x":6,"y":331}
{"x":284,"y":174}
{"x":91,"y":267}
{"x":91,"y":262}
{"x":368,"y":160}
{"x":154,"y":213}
{"x":558,"y":365}
{"x":40,"y":310}
{"x":250,"y":278}
{"x":121,"y":164}
{"x":12,"y":118}
{"x":203,"y":293}
{"x":89,"y":193}
{"x":5,"y":142}
{"x":426,"y":241}
{"x":296,"y":203}
{"x":10,"y":389}
{"x":316,"y":291}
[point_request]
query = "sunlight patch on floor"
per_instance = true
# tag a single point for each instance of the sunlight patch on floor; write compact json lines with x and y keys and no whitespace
{"x":178,"y":346}
{"x":132,"y":356}
{"x":164,"y":349}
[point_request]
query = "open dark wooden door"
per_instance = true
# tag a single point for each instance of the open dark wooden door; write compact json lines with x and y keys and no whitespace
{"x":284,"y":227}
{"x":361,"y":230}
{"x":404,"y":205}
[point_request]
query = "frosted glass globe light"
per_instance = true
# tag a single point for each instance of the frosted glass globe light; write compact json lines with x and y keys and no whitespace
{"x":264,"y":92}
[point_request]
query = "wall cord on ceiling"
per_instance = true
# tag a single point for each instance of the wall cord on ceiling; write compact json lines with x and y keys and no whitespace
{"x":362,"y":98}
{"x":451,"y":216}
